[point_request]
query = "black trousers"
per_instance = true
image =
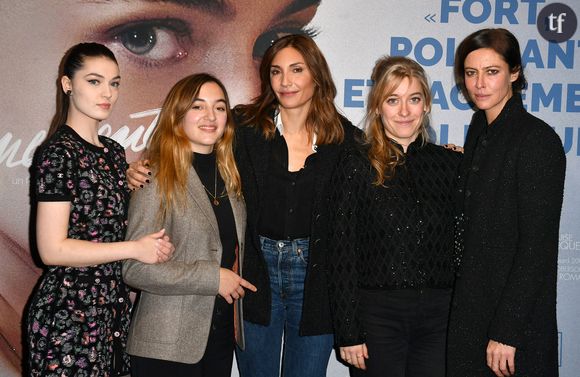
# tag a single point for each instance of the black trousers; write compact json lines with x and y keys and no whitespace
{"x":217,"y":358}
{"x":406,"y":332}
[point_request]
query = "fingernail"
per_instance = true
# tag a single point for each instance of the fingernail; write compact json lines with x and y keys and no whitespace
{"x":148,"y":172}
{"x":141,"y":186}
{"x":148,"y":180}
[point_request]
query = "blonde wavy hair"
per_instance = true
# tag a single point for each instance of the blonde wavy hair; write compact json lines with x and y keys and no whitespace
{"x":169,"y":149}
{"x":388,"y":73}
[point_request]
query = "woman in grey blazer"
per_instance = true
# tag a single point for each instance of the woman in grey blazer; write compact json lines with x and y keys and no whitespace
{"x":184,"y":323}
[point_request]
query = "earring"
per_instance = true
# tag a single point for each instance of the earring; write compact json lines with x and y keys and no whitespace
{"x":69,"y":92}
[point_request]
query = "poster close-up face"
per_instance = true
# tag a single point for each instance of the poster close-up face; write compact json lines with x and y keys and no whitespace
{"x":156,"y":43}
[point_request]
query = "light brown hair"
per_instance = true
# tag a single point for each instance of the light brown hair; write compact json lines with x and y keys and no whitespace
{"x":387,"y":75}
{"x":169,"y":149}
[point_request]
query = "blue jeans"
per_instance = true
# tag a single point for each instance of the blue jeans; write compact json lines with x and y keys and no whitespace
{"x":302,"y":356}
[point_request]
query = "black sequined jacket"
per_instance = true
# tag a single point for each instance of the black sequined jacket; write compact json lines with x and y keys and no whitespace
{"x":395,"y":236}
{"x":252,"y":152}
{"x":512,"y":182}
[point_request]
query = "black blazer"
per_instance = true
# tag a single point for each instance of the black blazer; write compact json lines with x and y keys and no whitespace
{"x":512,"y":193}
{"x":252,"y":152}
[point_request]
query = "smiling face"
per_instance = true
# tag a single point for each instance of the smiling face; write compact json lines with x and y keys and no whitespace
{"x":291,"y":79}
{"x":94,"y":90}
{"x":402,"y":112}
{"x":204,"y":124}
{"x":156,"y":44}
{"x":488,"y":81}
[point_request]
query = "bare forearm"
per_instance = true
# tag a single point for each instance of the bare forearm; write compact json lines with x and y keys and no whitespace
{"x":79,"y":253}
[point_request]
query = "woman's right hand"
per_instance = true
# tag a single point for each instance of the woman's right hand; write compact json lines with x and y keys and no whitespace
{"x":232,"y":285}
{"x":453,"y":147}
{"x":138,"y":174}
{"x":154,"y":248}
{"x":355,"y":355}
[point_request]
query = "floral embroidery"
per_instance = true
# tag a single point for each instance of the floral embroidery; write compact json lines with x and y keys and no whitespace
{"x":79,"y":316}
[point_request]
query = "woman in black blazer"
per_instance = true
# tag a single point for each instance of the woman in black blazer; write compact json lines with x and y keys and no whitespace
{"x":287,"y":144}
{"x":503,"y":315}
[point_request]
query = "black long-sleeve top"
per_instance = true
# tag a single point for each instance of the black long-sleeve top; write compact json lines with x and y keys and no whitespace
{"x":253,"y":153}
{"x":395,"y":236}
{"x":288,"y":197}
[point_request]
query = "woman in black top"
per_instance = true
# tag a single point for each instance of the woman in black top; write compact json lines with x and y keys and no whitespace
{"x":287,"y":146}
{"x":391,"y":261}
{"x":503,"y":317}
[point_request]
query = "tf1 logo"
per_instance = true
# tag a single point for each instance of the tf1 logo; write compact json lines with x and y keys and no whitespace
{"x":557,"y":22}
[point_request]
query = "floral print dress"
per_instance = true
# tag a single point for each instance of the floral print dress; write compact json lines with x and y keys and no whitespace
{"x":79,"y":316}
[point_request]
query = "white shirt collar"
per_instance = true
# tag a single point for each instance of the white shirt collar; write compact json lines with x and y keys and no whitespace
{"x":280,"y":127}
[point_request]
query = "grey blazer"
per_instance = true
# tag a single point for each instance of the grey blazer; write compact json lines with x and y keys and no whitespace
{"x":173,"y":315}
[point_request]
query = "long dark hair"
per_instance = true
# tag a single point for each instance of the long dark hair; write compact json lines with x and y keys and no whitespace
{"x":323,"y":117}
{"x":72,"y":61}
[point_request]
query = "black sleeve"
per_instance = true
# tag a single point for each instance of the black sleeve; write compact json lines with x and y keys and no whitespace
{"x":349,"y":185}
{"x":541,"y":169}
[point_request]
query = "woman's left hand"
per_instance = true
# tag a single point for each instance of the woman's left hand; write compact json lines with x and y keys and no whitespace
{"x":355,"y":355}
{"x":501,"y":358}
{"x":138,"y":174}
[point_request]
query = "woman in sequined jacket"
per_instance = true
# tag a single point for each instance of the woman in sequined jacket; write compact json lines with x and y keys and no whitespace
{"x":391,"y":264}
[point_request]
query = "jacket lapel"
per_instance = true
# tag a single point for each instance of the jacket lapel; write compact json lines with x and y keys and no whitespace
{"x":239,"y":213}
{"x":327,"y":158}
{"x":199,"y":197}
{"x":260,"y":155}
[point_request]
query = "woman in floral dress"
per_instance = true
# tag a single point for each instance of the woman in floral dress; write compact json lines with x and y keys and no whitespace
{"x":79,"y":315}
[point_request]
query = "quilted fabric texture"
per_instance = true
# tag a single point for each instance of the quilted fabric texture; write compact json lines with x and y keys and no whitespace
{"x":395,"y":236}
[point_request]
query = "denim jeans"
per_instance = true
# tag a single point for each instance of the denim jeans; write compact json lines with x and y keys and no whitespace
{"x":302,"y":356}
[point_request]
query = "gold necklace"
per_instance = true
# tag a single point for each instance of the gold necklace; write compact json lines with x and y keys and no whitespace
{"x":214,"y":196}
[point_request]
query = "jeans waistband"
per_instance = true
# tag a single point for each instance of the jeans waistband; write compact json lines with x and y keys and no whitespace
{"x":285,"y":245}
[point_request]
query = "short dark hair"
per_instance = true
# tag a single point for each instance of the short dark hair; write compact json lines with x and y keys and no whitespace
{"x":501,"y":41}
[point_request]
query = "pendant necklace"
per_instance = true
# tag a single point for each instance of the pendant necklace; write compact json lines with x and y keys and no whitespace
{"x":215,"y":198}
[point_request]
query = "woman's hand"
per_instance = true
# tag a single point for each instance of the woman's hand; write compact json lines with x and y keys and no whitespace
{"x":501,"y":358}
{"x":138,"y":174}
{"x":355,"y":355}
{"x":453,"y":147}
{"x":154,"y":248}
{"x":232,"y":285}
